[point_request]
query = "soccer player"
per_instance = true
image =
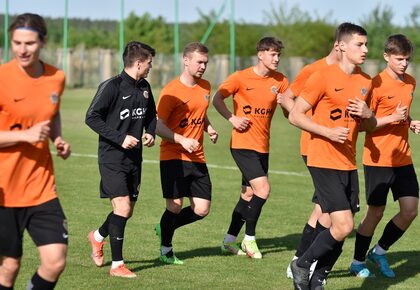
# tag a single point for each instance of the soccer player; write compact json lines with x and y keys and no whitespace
{"x":254,"y":92}
{"x":338,"y":93}
{"x":122,"y":109}
{"x":387,"y":159}
{"x":316,"y":223}
{"x":182,"y":120}
{"x":30,"y":92}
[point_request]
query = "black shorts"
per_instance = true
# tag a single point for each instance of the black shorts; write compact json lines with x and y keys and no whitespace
{"x":120,"y":180}
{"x":185,"y":179}
{"x":252,"y":164}
{"x":379,"y":180}
{"x":314,"y":197}
{"x":336,"y":189}
{"x":46,"y":224}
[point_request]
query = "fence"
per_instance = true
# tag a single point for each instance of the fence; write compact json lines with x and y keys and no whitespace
{"x":88,"y":68}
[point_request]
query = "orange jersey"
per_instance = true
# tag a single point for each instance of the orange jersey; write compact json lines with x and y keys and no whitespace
{"x":183,"y":110}
{"x":328,"y":91}
{"x":388,"y":146}
{"x":255,"y":98}
{"x":297,"y":86}
{"x":26,"y":170}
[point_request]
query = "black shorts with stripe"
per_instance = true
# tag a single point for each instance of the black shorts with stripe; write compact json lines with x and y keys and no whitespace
{"x":379,"y":180}
{"x":45,"y":223}
{"x":336,"y":189}
{"x":251,"y":163}
{"x":181,"y":178}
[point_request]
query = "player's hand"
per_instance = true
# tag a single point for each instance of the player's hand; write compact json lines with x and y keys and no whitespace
{"x":359,"y":108}
{"x":62,"y":147}
{"x":338,"y":134}
{"x":212,"y":134}
{"x":400,"y":113}
{"x":149,"y":140}
{"x":239,"y":123}
{"x":189,"y":144}
{"x":38,"y":132}
{"x":130,"y":142}
{"x":415,"y":126}
{"x":280,"y":98}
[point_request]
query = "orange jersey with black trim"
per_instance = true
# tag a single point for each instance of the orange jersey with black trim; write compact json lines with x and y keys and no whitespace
{"x":183,"y":110}
{"x":255,"y":98}
{"x":388,"y":146}
{"x":26,"y":170}
{"x":297,"y":86}
{"x":328,"y":91}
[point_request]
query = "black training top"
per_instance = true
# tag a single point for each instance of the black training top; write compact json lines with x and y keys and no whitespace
{"x":122,"y":106}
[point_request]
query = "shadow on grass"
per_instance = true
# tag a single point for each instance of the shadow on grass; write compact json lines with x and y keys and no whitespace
{"x":405,"y":265}
{"x":266,"y":245}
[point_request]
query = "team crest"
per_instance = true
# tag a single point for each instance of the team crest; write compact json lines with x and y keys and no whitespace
{"x":146,"y":94}
{"x":363,"y":91}
{"x":206,"y":97}
{"x":54,"y":98}
{"x":274,"y":89}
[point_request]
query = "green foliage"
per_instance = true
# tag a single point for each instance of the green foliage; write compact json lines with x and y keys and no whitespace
{"x":303,"y":34}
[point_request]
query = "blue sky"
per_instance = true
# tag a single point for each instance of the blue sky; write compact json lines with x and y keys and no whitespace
{"x":254,"y":11}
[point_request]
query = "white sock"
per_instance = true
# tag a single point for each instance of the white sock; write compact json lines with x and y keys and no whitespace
{"x":295,"y":258}
{"x":116,"y":264}
{"x":249,"y":238}
{"x":229,"y":239}
{"x":97,"y":236}
{"x":379,"y":250}
{"x":164,"y":250}
{"x":356,"y":262}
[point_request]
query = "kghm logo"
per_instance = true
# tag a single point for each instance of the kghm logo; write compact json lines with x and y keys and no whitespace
{"x":335,"y":114}
{"x":194,"y":122}
{"x":137,"y":113}
{"x":247,"y":109}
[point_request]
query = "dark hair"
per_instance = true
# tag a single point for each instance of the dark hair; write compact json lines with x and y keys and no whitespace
{"x":347,"y":29}
{"x":194,"y":46}
{"x":29,"y":21}
{"x":269,"y":43}
{"x":398,"y":44}
{"x":135,"y":50}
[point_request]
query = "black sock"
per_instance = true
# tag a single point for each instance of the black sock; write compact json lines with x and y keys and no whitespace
{"x":361,"y":246}
{"x":38,"y":283}
{"x":116,"y":235}
{"x":391,"y":234}
{"x":305,"y":240}
{"x":323,"y":245}
{"x":319,"y":228}
{"x":238,"y":217}
{"x":185,"y":217}
{"x":253,"y":213}
{"x":325,"y":265}
{"x":104,"y":229}
{"x":5,"y":288}
{"x":167,"y":227}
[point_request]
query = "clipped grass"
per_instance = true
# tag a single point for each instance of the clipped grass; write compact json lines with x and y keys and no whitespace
{"x":278,"y":229}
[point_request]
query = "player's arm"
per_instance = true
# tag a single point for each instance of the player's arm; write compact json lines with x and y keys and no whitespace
{"x":150,"y":122}
{"x":238,"y":123}
{"x":37,"y":133}
{"x":399,"y":114}
{"x":210,"y":130}
{"x":286,"y":101}
{"x":62,"y":147}
{"x":97,"y":114}
{"x":164,"y":132}
{"x":298,"y":118}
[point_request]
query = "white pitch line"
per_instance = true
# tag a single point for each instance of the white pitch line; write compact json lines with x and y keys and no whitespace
{"x":279,"y":172}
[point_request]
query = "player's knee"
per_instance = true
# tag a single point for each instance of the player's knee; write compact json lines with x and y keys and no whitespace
{"x":409,"y":215}
{"x":375,"y":215}
{"x":202,"y":212}
{"x":54,"y":267}
{"x":174,"y":208}
{"x":9,"y":269}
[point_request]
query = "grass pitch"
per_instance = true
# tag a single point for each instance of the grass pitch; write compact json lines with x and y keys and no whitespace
{"x":278,"y":230}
